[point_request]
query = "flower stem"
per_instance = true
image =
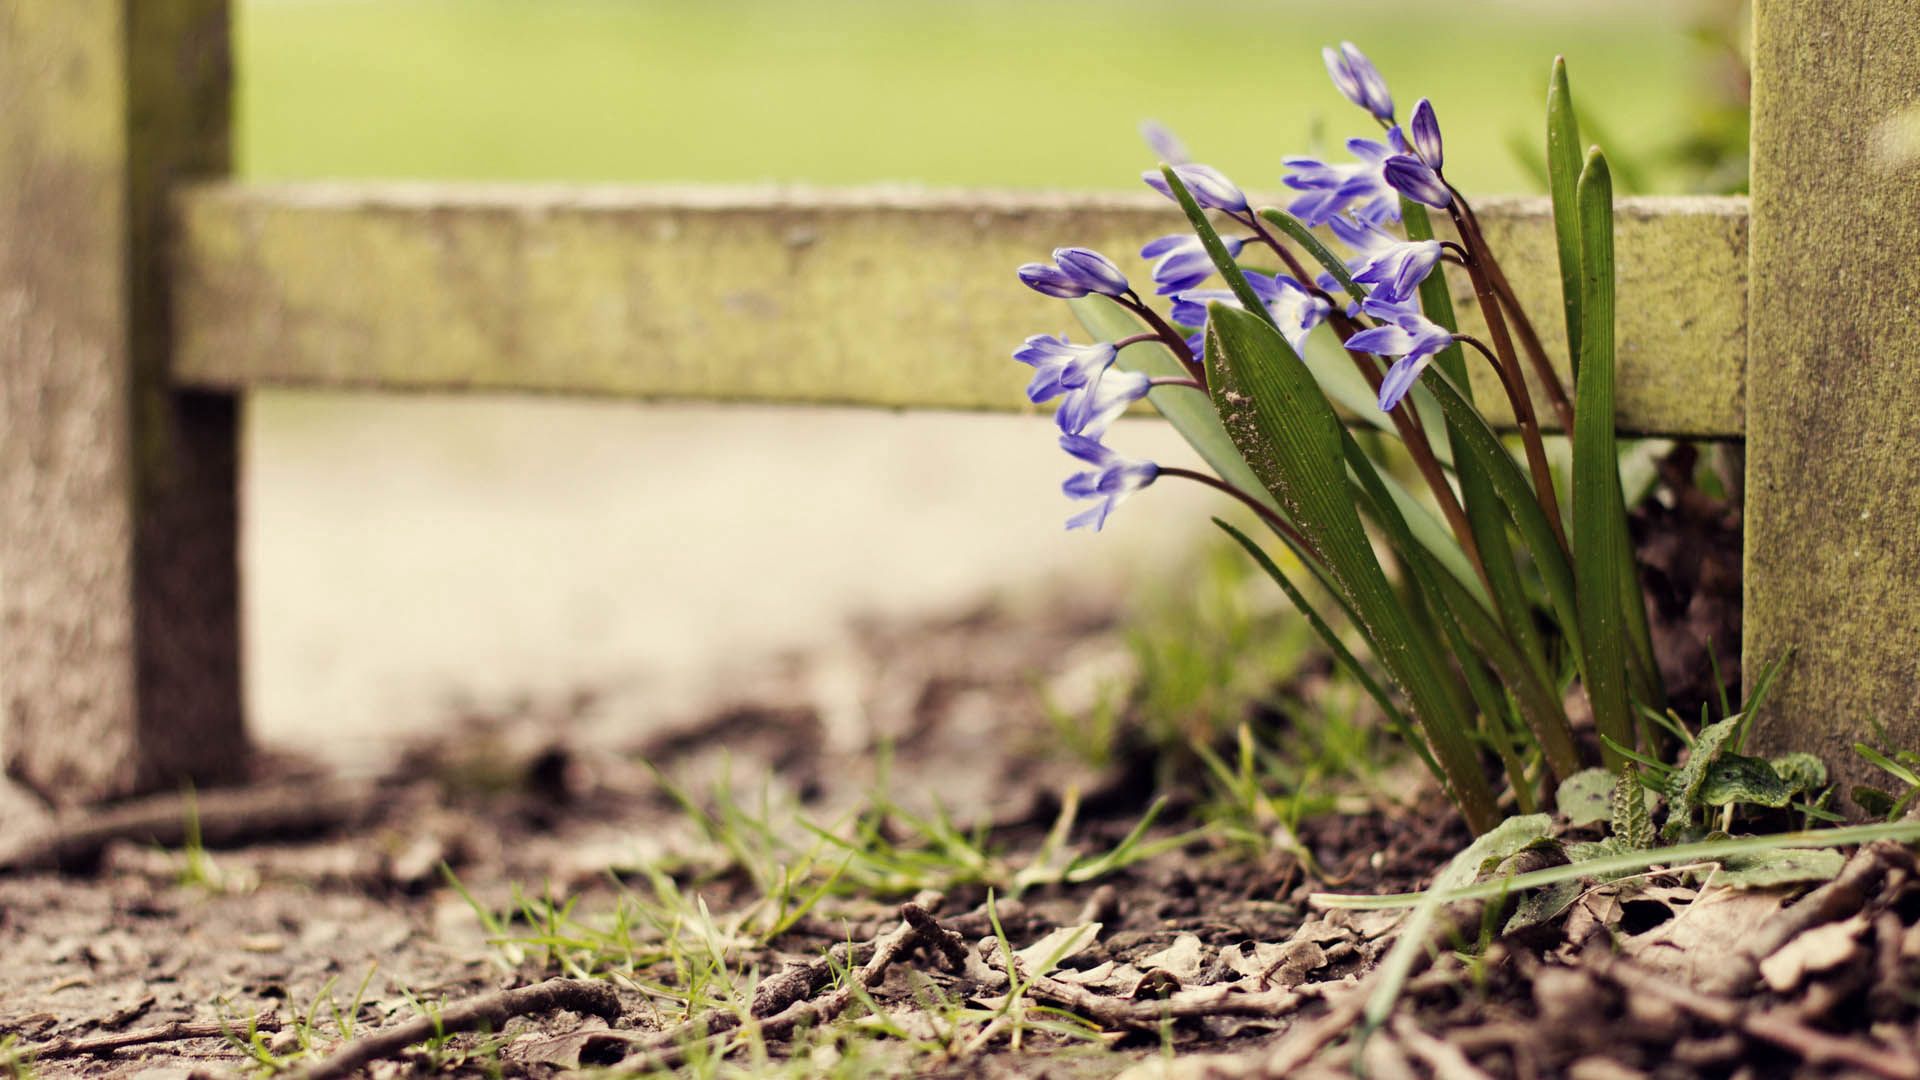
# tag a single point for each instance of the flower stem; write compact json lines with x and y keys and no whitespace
{"x":1175,"y":380}
{"x":1508,"y":367}
{"x":1266,"y":512}
{"x":1523,"y":326}
{"x":1299,"y":271}
{"x":1166,"y":333}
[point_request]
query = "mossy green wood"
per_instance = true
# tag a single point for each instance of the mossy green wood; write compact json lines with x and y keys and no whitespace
{"x":1290,"y":435}
{"x":1833,"y":443}
{"x":1597,"y":536}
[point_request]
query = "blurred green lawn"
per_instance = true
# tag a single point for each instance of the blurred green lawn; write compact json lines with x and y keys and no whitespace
{"x":1006,"y":93}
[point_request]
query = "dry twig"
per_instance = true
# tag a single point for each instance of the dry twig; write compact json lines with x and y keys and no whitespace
{"x":224,"y":819}
{"x":178,"y":1031}
{"x":490,"y":1012}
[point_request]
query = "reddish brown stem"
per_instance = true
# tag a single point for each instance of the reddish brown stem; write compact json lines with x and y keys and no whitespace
{"x":1529,"y":338}
{"x":1266,"y":512}
{"x":1508,"y":367}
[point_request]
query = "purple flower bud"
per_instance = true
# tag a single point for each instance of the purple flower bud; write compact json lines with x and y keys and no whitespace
{"x":1358,"y":80}
{"x":1091,"y":271}
{"x":1417,"y":181}
{"x":1208,"y":186}
{"x":1048,"y":278}
{"x":1426,"y":135}
{"x":1164,"y":143}
{"x":1184,"y":262}
{"x":1111,"y":479}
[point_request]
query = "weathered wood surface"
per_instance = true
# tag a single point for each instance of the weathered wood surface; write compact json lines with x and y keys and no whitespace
{"x":893,"y":298}
{"x":1833,"y":452}
{"x":118,"y":591}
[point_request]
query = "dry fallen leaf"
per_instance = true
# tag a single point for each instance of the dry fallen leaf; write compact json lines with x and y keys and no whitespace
{"x":1820,"y":949}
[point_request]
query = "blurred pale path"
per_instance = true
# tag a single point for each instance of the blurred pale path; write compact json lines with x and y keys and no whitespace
{"x":402,"y":553}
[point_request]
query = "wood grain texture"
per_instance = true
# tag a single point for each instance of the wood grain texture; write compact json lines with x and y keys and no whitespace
{"x":118,"y":588}
{"x":1833,"y":454}
{"x":892,"y":298}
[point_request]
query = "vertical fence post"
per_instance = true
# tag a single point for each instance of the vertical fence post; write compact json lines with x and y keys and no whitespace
{"x":119,"y":600}
{"x":1833,"y":379}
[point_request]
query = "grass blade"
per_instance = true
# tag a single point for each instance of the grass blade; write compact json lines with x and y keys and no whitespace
{"x":1630,"y":862}
{"x":1598,"y":525}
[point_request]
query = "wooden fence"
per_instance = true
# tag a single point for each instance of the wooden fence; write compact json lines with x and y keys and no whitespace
{"x":142,"y":296}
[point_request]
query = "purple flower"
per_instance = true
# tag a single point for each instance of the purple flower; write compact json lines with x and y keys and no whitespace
{"x":1361,"y":186}
{"x":1111,"y":479}
{"x":1406,"y":334}
{"x":1358,"y":80}
{"x":1051,"y":280}
{"x":1164,"y":143}
{"x":1295,"y":308}
{"x":1184,"y":261}
{"x":1425,"y":130}
{"x":1208,"y":186}
{"x":1394,"y":267}
{"x":1091,"y":271}
{"x":1089,"y":409}
{"x":1417,"y":181}
{"x":1060,"y":365}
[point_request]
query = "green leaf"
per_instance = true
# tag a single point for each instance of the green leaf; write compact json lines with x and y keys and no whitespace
{"x":1484,"y":450}
{"x":1783,"y":866}
{"x":1800,"y":771}
{"x":1586,"y":797}
{"x":1563,"y":179}
{"x":1491,"y":848}
{"x":1683,"y":789}
{"x":1599,"y":865}
{"x":1597,"y":512}
{"x":1476,"y":461}
{"x":1190,"y":413}
{"x":1736,"y":778}
{"x":1288,"y":432}
{"x":1632,"y":825}
{"x":1893,"y":768}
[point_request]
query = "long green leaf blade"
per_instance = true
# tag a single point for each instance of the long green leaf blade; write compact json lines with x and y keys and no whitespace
{"x":1290,"y":435}
{"x":1563,"y":180}
{"x":1486,"y":516}
{"x":1597,"y":512}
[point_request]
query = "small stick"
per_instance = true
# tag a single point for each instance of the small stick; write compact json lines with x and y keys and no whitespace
{"x":490,"y":1012}
{"x":1149,"y":1013}
{"x":1447,"y":1061}
{"x":178,"y":1031}
{"x":1777,"y":1026}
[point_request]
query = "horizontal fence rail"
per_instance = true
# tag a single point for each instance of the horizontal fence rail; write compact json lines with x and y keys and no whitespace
{"x":881,"y":297}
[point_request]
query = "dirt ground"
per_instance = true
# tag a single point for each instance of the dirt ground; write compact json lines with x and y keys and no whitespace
{"x":261,"y":930}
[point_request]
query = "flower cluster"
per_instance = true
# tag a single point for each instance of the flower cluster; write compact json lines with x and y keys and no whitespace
{"x":1357,"y":201}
